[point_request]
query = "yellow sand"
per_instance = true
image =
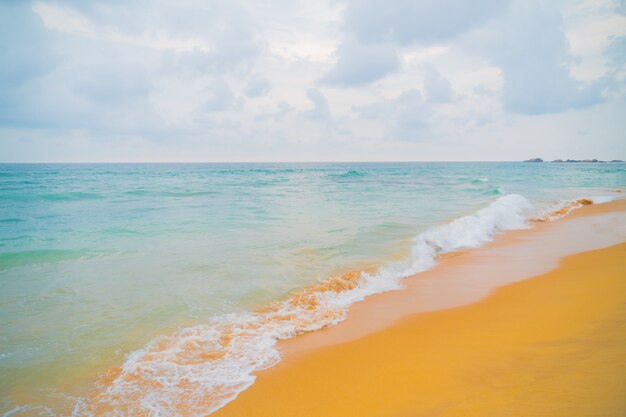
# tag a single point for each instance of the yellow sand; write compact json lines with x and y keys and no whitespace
{"x":554,"y":345}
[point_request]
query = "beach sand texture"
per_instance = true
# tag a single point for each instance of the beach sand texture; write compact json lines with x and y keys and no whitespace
{"x":553,"y":345}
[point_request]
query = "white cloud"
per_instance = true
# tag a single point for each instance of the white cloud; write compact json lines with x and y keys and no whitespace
{"x":359,"y":64}
{"x":530,"y":47}
{"x":421,"y":21}
{"x":66,"y":20}
{"x":245,"y":80}
{"x":405,"y":117}
{"x":221,"y":97}
{"x":320,"y":109}
{"x":437,"y":87}
{"x":257,"y":87}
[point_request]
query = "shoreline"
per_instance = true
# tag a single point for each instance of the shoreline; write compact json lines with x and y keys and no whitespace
{"x":468,"y":279}
{"x":423,"y":292}
{"x":459,"y":277}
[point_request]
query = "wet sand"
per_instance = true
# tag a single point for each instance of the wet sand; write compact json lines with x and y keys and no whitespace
{"x":476,"y":335}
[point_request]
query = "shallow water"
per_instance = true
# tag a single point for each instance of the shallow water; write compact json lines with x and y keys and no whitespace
{"x":98,"y":260}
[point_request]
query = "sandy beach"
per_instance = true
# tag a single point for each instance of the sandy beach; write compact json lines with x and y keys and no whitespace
{"x":533,"y":324}
{"x":312,"y":208}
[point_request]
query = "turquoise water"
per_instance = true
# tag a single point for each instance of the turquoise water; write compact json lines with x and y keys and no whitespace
{"x":96,"y":260}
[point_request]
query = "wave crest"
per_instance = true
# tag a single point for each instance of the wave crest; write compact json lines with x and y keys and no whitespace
{"x":200,"y":369}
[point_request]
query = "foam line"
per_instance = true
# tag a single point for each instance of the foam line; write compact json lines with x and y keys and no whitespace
{"x":199,"y":369}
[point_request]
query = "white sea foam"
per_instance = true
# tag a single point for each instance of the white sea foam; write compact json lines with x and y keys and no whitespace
{"x":199,"y":369}
{"x":32,"y":410}
{"x":565,"y":207}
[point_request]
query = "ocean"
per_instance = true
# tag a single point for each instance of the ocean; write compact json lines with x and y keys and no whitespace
{"x":159,"y":289}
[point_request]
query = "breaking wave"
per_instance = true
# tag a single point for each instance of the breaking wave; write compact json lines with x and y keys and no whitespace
{"x":199,"y":369}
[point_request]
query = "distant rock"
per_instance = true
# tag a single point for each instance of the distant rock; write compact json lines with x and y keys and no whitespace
{"x":583,"y":160}
{"x":573,"y":160}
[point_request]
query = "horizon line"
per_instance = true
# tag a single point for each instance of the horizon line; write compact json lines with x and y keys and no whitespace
{"x":282,"y":162}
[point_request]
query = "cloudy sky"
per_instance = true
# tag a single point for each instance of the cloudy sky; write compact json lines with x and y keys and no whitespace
{"x":288,"y":80}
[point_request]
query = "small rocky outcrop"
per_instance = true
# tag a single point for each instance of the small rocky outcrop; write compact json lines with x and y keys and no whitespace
{"x":583,"y":160}
{"x":574,"y":160}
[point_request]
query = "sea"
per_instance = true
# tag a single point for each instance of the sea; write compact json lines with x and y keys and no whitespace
{"x":160,"y":289}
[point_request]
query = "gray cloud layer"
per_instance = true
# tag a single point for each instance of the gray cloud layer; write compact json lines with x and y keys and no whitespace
{"x":359,"y":64}
{"x":423,"y":21}
{"x":531,"y":49}
{"x":240,"y":79}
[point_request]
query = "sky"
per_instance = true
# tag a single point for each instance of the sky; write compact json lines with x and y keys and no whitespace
{"x":289,"y":80}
